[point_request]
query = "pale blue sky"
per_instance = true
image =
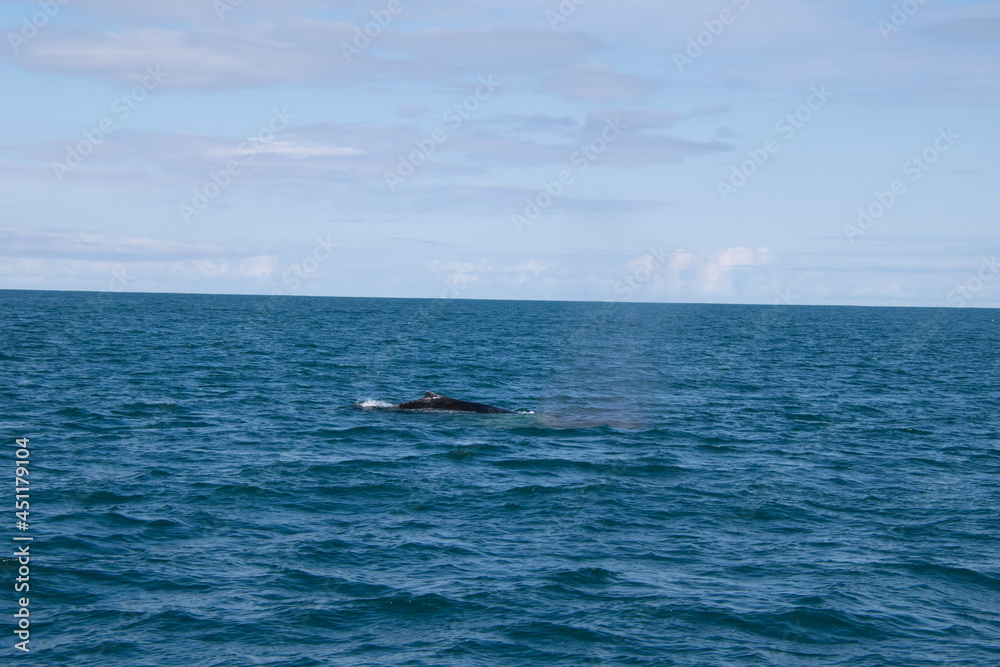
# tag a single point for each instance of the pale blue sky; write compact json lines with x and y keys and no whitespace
{"x":653,"y":212}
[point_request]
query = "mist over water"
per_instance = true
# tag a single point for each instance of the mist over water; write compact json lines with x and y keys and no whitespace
{"x":215,"y":484}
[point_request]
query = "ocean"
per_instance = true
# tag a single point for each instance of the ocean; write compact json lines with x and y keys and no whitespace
{"x":217,"y":481}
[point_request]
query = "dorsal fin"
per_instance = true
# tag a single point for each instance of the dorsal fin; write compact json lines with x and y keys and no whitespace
{"x":431,"y":394}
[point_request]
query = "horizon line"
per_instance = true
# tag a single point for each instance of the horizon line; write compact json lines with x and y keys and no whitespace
{"x":455,"y":298}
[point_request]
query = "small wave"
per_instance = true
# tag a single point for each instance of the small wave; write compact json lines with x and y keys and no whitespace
{"x":427,"y":605}
{"x":374,"y":404}
{"x":587,"y":576}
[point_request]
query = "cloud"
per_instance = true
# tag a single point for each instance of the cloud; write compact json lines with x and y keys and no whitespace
{"x":248,"y":267}
{"x":715,"y":271}
{"x":527,"y":271}
{"x":94,"y":246}
{"x":491,"y":199}
{"x":707,"y":274}
{"x":284,"y":148}
{"x":531,"y":266}
{"x":507,"y":49}
{"x":532,"y":123}
{"x":193,"y":11}
{"x":270,"y":42}
{"x":591,"y":82}
{"x":298,"y":51}
{"x":314,"y":160}
{"x":894,"y":291}
{"x":482,"y":266}
{"x":461,"y":275}
{"x":199,"y":58}
{"x":74,"y":259}
{"x":262,"y":266}
{"x":632,"y":120}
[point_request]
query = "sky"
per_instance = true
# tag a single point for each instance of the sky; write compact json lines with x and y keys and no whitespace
{"x":718,"y":151}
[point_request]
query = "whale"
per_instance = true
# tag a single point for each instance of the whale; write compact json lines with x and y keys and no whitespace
{"x":432,"y":401}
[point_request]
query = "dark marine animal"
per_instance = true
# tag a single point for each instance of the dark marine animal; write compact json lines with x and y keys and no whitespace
{"x":432,"y":401}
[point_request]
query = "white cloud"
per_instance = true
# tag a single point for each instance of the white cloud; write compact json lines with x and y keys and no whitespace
{"x":531,"y":266}
{"x":715,"y":271}
{"x":482,"y":266}
{"x":711,"y":274}
{"x":893,"y":290}
{"x":529,"y":271}
{"x":60,"y":259}
{"x":262,"y":266}
{"x":460,"y":275}
{"x":286,"y":148}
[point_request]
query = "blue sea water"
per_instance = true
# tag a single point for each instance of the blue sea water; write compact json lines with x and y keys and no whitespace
{"x":684,"y":484}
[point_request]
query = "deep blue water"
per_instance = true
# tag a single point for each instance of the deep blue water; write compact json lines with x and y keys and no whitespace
{"x":697,"y":485}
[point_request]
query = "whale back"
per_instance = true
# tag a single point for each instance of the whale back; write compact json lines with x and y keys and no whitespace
{"x":432,"y":401}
